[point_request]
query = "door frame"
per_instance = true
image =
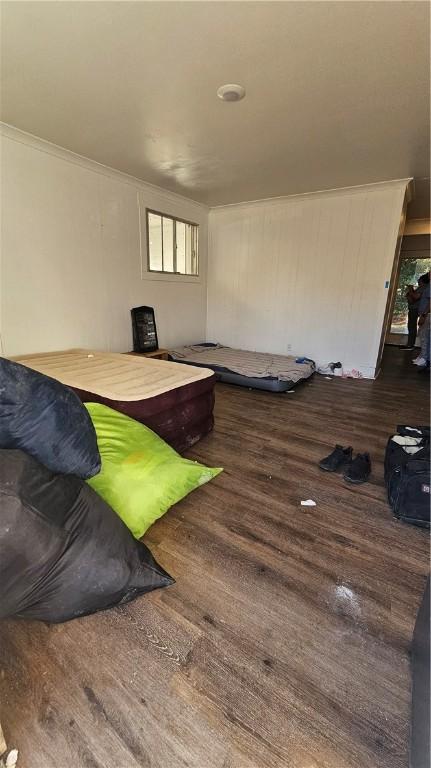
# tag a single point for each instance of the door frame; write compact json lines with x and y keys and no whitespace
{"x":393,"y":282}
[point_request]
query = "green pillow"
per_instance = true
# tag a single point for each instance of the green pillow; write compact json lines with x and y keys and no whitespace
{"x":141,"y":475}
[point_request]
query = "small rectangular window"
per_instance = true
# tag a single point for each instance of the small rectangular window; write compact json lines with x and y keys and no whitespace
{"x":172,"y":245}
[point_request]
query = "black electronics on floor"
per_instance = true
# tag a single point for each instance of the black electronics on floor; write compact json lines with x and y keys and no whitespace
{"x":144,"y":329}
{"x":407,"y":474}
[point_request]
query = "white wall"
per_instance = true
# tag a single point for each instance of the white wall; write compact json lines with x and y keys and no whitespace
{"x":305,"y":275}
{"x":73,"y":254}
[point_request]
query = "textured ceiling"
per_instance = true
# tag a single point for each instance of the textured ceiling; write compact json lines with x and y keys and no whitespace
{"x":337,"y":92}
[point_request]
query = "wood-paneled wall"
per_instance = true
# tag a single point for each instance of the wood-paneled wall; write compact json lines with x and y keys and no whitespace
{"x":305,"y":274}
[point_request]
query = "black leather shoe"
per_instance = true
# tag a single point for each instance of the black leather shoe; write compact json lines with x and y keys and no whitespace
{"x":336,"y":459}
{"x":359,"y":470}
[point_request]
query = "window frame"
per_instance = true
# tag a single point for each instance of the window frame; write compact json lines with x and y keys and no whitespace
{"x":175,"y":220}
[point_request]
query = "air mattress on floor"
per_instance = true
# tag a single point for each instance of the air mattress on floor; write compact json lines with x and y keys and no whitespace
{"x":258,"y":370}
{"x":175,"y":401}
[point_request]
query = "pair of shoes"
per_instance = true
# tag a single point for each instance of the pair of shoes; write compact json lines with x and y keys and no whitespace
{"x":406,"y":348}
{"x":330,"y":368}
{"x":357,"y":470}
{"x":419,"y":361}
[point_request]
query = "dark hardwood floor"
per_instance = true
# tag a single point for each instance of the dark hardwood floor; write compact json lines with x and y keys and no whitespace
{"x":284,"y":642}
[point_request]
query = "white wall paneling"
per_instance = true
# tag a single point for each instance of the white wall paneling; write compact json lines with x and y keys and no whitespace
{"x":73,"y":255}
{"x":305,"y":275}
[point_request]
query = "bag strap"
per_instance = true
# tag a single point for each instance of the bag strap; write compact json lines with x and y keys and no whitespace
{"x":412,"y":431}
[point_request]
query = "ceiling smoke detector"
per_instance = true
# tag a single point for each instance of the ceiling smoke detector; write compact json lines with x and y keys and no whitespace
{"x":231,"y":92}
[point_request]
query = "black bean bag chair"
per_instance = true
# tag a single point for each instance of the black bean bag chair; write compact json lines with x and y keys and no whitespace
{"x":47,"y":420}
{"x":63,"y":551}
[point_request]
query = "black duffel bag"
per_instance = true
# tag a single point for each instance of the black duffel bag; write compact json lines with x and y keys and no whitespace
{"x":407,"y":474}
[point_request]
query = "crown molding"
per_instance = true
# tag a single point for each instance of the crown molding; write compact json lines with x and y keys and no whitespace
{"x":22,"y":137}
{"x":42,"y":145}
{"x":404,"y":185}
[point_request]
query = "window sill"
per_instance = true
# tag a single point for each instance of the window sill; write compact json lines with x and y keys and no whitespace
{"x":171,"y":277}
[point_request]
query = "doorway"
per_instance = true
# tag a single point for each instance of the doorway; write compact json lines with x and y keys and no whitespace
{"x":412,"y":265}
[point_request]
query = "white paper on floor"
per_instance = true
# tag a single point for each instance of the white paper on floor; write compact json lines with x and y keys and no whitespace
{"x":308,"y":503}
{"x":12,"y":758}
